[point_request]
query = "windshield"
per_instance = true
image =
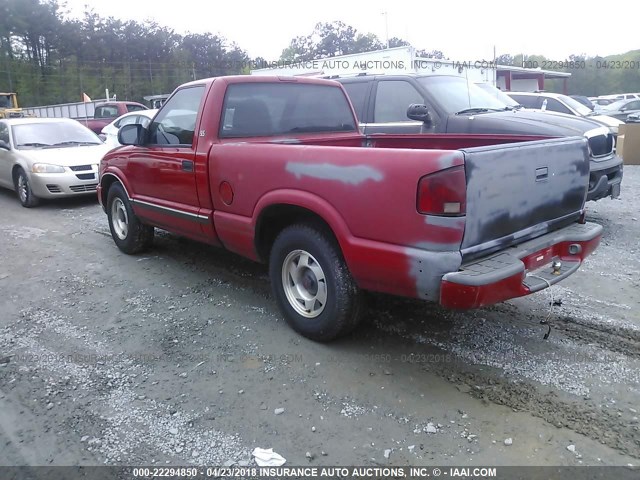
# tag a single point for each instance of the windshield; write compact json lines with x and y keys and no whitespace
{"x":497,"y":93}
{"x":47,"y":134}
{"x":455,"y":94}
{"x":576,"y":105}
{"x":617,"y":105}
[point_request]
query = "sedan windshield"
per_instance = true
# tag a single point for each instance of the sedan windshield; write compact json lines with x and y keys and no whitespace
{"x":575,"y":105}
{"x":499,"y":94}
{"x":456,"y":94}
{"x":617,"y":105}
{"x":52,"y":134}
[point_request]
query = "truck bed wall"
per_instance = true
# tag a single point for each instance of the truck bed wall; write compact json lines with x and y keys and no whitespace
{"x":418,"y":141}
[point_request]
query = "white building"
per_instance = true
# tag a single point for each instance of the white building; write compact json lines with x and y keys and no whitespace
{"x":403,"y":60}
{"x":391,"y":61}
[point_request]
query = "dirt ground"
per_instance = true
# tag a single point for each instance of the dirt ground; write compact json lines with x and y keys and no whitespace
{"x":180,"y":357}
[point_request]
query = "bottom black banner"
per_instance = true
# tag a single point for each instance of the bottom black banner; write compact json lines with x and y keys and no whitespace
{"x":368,"y":472}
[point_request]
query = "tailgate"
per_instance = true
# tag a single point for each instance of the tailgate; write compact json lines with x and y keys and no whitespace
{"x":522,"y":190}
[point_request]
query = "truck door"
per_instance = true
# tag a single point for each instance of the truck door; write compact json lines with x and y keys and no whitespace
{"x":163,"y":170}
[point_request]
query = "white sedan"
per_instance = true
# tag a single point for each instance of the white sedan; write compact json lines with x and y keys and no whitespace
{"x":48,"y":158}
{"x":110,"y":132}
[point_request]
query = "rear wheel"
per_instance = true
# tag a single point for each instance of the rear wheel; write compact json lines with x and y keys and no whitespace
{"x":312,"y":284}
{"x":23,"y":190}
{"x":128,"y":232}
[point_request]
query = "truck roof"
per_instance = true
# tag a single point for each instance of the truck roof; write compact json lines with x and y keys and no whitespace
{"x":260,"y":79}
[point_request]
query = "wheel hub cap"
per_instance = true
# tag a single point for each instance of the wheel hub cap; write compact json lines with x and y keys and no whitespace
{"x":119,"y":219}
{"x":304,"y":283}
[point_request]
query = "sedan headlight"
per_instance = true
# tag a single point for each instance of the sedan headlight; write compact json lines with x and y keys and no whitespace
{"x":46,"y":168}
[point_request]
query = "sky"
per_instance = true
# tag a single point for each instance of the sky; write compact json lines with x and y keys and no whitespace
{"x":462,"y":29}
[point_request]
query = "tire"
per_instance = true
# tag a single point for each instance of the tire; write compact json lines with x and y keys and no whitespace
{"x":128,"y":232}
{"x":312,"y":284}
{"x":23,"y":190}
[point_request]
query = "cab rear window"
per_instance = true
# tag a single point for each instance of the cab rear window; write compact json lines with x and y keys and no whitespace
{"x":272,"y":109}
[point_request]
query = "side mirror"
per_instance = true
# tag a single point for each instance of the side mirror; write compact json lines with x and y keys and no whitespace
{"x":4,"y":145}
{"x":102,"y":137}
{"x":419,"y":113}
{"x":133,"y":134}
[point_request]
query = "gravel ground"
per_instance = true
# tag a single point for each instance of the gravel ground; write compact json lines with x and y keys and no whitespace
{"x":180,"y":357}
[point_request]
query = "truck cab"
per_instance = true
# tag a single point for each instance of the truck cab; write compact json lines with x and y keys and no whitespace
{"x":9,"y":106}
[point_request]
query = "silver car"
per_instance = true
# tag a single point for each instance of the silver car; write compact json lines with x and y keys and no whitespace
{"x":622,"y":108}
{"x":48,"y":158}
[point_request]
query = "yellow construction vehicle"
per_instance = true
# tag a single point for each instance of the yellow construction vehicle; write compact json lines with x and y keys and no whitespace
{"x":9,"y":106}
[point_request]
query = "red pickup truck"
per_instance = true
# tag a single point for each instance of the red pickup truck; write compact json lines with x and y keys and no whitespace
{"x":107,"y":112}
{"x":275,"y":169}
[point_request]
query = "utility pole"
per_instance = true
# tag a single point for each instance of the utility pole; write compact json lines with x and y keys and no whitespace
{"x":386,"y":26}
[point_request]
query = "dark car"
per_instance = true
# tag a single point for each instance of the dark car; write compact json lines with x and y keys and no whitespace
{"x":584,"y":101}
{"x":450,"y":104}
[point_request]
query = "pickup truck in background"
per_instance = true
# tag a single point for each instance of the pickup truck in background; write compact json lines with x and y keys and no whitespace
{"x":105,"y":113}
{"x":450,"y":104}
{"x":276,"y":170}
{"x":95,"y":115}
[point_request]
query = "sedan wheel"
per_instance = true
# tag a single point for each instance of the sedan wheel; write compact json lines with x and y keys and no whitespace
{"x":23,"y":189}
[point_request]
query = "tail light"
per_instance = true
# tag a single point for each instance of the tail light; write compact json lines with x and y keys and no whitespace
{"x":443,"y":193}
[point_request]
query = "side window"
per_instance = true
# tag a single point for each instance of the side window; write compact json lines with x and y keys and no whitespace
{"x":635,"y":105}
{"x":4,"y":133}
{"x":255,"y":109}
{"x":554,"y":105}
{"x":134,"y":108}
{"x":175,"y":124}
{"x":392,"y":100}
{"x":105,"y":112}
{"x":357,"y":92}
{"x":131,"y":119}
{"x":528,"y":101}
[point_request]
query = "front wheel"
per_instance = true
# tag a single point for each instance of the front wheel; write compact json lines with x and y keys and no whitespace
{"x":128,"y":232}
{"x":312,"y":284}
{"x":23,"y":190}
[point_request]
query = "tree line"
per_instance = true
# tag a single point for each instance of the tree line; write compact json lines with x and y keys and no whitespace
{"x":49,"y":58}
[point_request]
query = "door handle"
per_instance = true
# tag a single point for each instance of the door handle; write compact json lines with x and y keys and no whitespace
{"x":542,"y":174}
{"x":187,"y":165}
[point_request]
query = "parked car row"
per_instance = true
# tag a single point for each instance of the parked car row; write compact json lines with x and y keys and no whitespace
{"x":555,"y":102}
{"x":439,"y":104}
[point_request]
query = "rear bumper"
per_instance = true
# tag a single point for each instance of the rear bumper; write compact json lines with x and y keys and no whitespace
{"x":520,"y":270}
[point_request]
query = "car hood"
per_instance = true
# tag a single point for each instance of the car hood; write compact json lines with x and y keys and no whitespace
{"x":521,"y":122}
{"x":67,"y":156}
{"x":606,"y":120}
